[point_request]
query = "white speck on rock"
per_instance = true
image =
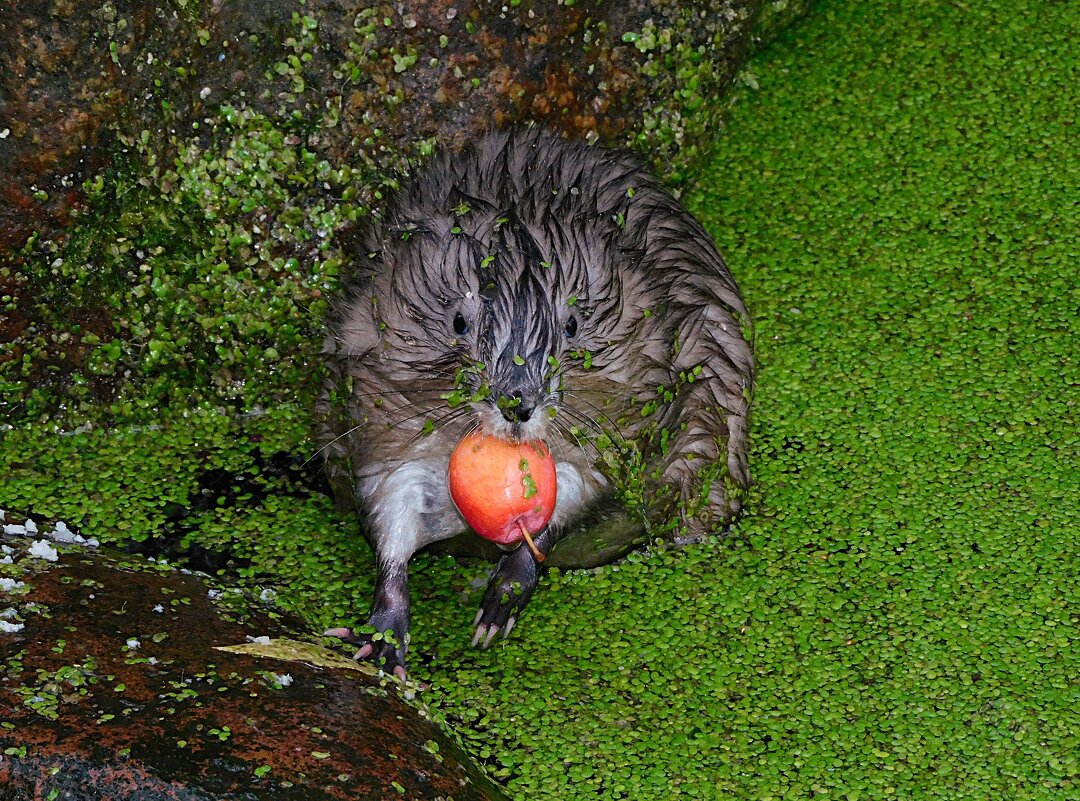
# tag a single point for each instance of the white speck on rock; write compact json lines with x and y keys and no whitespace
{"x":215,"y":594}
{"x":267,"y":595}
{"x":31,"y":527}
{"x":15,"y":529}
{"x":8,"y":613}
{"x":259,"y":640}
{"x":284,"y":680}
{"x":159,"y":609}
{"x":10,"y":628}
{"x":11,"y":585}
{"x":61,"y":533}
{"x":132,"y":644}
{"x":42,"y":550}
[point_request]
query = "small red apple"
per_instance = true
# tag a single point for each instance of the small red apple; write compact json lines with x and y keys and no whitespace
{"x":505,"y":490}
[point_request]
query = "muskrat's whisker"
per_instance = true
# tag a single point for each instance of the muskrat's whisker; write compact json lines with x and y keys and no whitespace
{"x":434,"y":413}
{"x":597,"y":414}
{"x":472,"y":428}
{"x":599,"y":428}
{"x":568,"y":370}
{"x":616,"y":394}
{"x":426,"y":409}
{"x":384,"y":393}
{"x":330,"y":444}
{"x":580,"y":417}
{"x":448,"y":417}
{"x":578,"y":440}
{"x":434,"y":372}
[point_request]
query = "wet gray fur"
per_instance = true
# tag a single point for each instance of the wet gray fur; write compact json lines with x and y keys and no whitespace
{"x":523,"y":254}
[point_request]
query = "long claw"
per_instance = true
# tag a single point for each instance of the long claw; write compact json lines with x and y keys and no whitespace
{"x":509,"y":589}
{"x":380,"y":649}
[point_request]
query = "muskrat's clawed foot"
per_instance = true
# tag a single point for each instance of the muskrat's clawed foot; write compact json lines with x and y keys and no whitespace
{"x":381,"y":649}
{"x":510,"y":588}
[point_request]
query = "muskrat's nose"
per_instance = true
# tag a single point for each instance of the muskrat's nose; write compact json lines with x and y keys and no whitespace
{"x":515,"y":410}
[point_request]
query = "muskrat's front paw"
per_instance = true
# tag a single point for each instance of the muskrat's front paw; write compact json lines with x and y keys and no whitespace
{"x":509,"y":589}
{"x":381,"y":649}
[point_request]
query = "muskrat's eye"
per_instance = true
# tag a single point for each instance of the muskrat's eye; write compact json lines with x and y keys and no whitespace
{"x":571,"y":326}
{"x":460,"y":326}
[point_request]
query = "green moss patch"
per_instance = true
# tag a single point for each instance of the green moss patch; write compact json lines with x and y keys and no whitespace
{"x":206,"y":281}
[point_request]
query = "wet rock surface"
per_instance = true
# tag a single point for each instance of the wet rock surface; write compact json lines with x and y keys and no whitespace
{"x":111,"y":687}
{"x":369,"y":78}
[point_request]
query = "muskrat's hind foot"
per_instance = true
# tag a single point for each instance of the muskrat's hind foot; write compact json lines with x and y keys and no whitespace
{"x":382,"y":649}
{"x":510,"y":588}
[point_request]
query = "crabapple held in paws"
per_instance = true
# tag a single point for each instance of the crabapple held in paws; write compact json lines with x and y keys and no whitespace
{"x":500,"y":486}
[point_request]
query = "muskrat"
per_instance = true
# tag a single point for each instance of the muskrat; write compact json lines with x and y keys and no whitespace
{"x":534,"y":288}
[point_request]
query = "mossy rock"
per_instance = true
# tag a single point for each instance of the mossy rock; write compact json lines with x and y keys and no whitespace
{"x":182,"y":181}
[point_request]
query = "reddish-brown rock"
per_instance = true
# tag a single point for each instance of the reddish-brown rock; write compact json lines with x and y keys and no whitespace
{"x":110,"y":688}
{"x":368,"y":81}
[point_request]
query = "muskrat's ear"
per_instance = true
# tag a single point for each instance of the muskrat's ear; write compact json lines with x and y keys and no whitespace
{"x":357,"y":331}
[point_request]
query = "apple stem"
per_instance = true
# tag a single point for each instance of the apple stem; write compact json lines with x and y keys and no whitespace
{"x":539,"y":557}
